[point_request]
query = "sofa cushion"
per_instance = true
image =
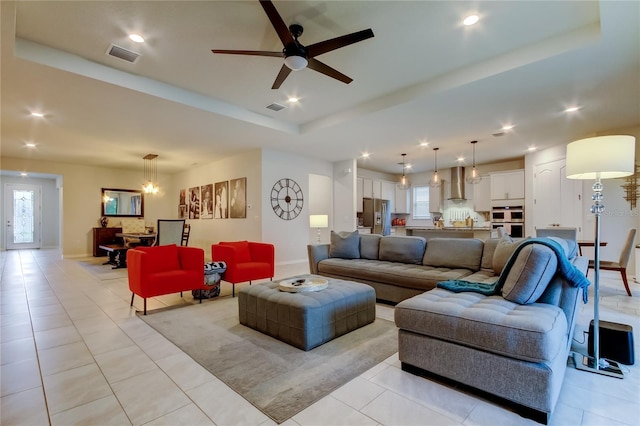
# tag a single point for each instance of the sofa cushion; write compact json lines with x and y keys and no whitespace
{"x":464,"y":253}
{"x":345,"y":245}
{"x":504,"y":249}
{"x":402,"y":249}
{"x":530,"y":274}
{"x":487,"y":254}
{"x":165,"y":258}
{"x":399,"y":274}
{"x":369,"y":246}
{"x":536,"y":332}
{"x":243,"y":254}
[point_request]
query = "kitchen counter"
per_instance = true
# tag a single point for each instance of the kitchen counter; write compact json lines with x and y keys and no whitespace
{"x":426,"y":232}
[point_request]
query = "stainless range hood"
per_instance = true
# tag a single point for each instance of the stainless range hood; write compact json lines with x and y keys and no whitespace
{"x":457,"y":184}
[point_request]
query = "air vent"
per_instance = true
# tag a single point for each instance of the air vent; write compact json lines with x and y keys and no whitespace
{"x":122,"y":53}
{"x":275,"y":107}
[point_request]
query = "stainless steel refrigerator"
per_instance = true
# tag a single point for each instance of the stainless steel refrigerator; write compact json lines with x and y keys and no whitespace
{"x":377,"y":216}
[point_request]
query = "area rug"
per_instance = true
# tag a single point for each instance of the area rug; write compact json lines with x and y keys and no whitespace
{"x":278,"y":379}
{"x":102,"y":272}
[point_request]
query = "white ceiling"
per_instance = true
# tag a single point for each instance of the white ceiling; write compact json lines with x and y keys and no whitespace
{"x":423,"y":77}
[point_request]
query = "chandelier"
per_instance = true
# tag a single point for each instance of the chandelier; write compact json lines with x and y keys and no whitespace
{"x":150,"y":174}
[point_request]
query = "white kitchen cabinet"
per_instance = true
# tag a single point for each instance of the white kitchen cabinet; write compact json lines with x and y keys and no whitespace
{"x":507,"y":185}
{"x":389,"y":191}
{"x":377,"y":189}
{"x":359,"y":194}
{"x":367,"y":188}
{"x":482,"y":195}
{"x":402,"y":200}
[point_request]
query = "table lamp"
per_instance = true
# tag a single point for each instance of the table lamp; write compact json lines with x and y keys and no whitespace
{"x":319,"y":221}
{"x":602,"y":157}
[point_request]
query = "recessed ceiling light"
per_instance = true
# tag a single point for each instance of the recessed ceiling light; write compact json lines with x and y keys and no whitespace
{"x":507,"y":127}
{"x":365,"y":155}
{"x":23,"y":173}
{"x":136,"y":37}
{"x":531,"y":148}
{"x":30,"y":145}
{"x":408,"y":165}
{"x":424,"y":143}
{"x":293,"y":99}
{"x":572,"y":109}
{"x":470,"y":20}
{"x":37,"y":114}
{"x":460,"y":159}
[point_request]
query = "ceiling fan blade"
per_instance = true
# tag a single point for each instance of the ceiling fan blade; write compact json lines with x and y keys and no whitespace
{"x":250,"y":52}
{"x":338,"y":42}
{"x":316,"y":65}
{"x":284,"y":73}
{"x":277,"y":22}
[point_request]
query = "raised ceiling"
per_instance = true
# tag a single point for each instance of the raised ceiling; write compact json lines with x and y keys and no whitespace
{"x":423,"y":77}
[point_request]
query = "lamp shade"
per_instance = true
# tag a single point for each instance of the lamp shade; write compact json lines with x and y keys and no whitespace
{"x":606,"y":157}
{"x":318,"y":221}
{"x":295,"y":62}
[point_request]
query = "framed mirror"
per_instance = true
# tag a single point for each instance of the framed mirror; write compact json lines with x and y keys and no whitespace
{"x":122,"y":203}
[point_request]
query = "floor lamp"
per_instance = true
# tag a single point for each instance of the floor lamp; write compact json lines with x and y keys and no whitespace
{"x":602,"y":157}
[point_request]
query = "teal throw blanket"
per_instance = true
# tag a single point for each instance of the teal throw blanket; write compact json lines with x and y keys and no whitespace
{"x":566,"y":269}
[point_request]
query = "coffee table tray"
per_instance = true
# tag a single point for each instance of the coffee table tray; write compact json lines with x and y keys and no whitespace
{"x":302,"y":284}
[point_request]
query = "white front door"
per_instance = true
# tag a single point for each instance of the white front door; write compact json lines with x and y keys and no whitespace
{"x":22,"y":213}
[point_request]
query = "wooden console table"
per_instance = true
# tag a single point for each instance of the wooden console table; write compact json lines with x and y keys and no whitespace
{"x":104,"y":236}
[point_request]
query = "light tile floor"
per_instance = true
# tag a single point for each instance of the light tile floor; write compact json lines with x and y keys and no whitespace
{"x":74,"y":352}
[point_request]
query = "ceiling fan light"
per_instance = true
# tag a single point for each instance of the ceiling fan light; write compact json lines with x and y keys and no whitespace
{"x":295,"y":62}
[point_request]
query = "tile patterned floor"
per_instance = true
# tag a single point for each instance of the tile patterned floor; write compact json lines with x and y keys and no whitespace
{"x":74,"y":352}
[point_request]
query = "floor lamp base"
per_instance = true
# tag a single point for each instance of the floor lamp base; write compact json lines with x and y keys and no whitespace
{"x":586,"y":363}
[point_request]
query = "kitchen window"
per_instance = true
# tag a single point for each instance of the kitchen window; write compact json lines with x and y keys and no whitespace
{"x":421,"y":203}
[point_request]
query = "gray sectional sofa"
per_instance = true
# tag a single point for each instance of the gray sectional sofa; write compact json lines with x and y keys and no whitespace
{"x":513,"y":344}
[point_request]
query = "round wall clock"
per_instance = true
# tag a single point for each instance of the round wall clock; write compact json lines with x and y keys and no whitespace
{"x":287,"y":199}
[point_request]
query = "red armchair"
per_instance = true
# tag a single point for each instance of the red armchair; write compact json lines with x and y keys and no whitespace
{"x":246,"y":261}
{"x":158,"y":270}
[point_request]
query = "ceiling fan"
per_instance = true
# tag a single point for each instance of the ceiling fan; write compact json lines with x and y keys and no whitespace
{"x":296,"y":56}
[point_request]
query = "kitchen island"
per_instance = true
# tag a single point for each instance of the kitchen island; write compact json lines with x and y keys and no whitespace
{"x":427,"y":232}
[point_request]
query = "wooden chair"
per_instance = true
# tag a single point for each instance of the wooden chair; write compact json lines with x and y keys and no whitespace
{"x":185,"y":234}
{"x":621,"y":264}
{"x":170,"y":231}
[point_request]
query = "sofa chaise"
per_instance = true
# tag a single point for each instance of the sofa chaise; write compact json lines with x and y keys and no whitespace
{"x":512,"y":342}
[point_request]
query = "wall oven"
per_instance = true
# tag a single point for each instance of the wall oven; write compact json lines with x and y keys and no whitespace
{"x":509,"y":217}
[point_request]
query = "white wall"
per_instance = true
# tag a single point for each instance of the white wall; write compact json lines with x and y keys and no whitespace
{"x":344,"y":195}
{"x":290,"y":236}
{"x":51,"y":195}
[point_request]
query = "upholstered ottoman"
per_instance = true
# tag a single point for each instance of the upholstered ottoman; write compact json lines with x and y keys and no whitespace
{"x":307,"y":319}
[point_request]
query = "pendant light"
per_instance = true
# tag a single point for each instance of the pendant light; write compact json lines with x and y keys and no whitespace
{"x":404,"y":184}
{"x":435,"y":179}
{"x":150,"y":174}
{"x":474,"y":177}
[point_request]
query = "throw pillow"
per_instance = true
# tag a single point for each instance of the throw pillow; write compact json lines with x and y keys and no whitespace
{"x":530,"y":274}
{"x":243,"y":254}
{"x":505,"y":248}
{"x":345,"y":245}
{"x":369,"y":246}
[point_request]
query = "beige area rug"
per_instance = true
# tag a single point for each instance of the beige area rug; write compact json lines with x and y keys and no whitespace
{"x":102,"y":272}
{"x":279,"y":379}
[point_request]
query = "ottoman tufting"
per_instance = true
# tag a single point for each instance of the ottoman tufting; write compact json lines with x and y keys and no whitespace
{"x":307,"y":319}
